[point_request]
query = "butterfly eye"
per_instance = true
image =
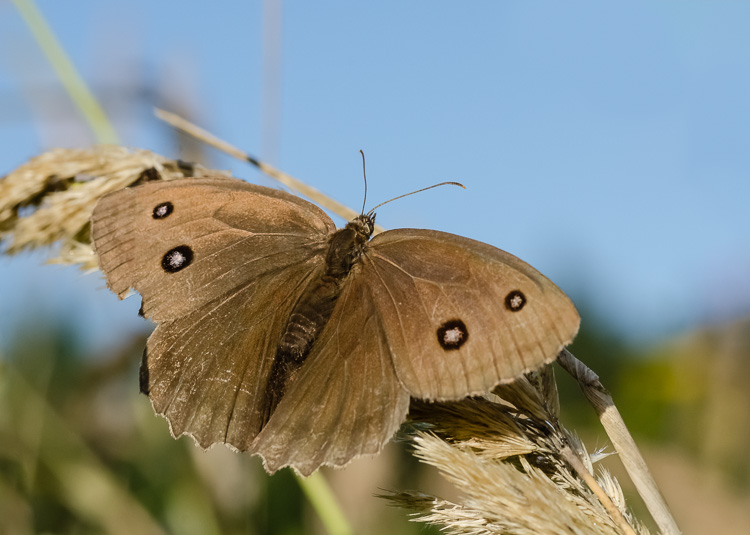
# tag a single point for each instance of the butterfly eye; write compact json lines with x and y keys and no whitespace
{"x":452,"y":334}
{"x":515,"y":301}
{"x":162,"y":210}
{"x":176,"y":259}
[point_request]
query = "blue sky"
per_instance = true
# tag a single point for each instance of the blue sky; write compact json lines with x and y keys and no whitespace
{"x":604,"y":143}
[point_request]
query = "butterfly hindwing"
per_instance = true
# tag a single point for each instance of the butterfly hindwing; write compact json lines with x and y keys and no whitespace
{"x":345,"y":401}
{"x":207,"y":372}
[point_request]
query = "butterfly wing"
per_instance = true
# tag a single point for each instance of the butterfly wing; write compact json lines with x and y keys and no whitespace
{"x":345,"y":401}
{"x":246,"y":254}
{"x":234,"y":231}
{"x":461,"y":316}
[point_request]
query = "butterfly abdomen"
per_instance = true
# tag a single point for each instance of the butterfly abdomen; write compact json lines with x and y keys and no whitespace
{"x":307,"y":320}
{"x":313,"y":310}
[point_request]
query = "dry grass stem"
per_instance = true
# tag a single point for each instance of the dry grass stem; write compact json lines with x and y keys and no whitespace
{"x":283,"y":178}
{"x":49,"y":199}
{"x":509,"y":458}
{"x":621,"y":439}
{"x":585,"y":474}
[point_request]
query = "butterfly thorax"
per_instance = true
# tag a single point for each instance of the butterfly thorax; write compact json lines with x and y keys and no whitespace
{"x":315,"y":306}
{"x":347,"y":245}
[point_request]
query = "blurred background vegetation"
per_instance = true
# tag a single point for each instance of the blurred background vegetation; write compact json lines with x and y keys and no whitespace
{"x":82,"y":452}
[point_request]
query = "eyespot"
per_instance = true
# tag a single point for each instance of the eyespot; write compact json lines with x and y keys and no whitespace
{"x":162,"y":210}
{"x":177,"y":259}
{"x":452,"y":334}
{"x":515,"y":301}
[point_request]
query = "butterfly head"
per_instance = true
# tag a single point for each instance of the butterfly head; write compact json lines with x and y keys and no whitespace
{"x":363,"y":225}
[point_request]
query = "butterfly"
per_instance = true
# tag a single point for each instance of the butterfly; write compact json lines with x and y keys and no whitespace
{"x":280,"y":335}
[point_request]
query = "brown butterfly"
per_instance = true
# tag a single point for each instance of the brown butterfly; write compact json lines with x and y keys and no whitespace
{"x":279,"y":335}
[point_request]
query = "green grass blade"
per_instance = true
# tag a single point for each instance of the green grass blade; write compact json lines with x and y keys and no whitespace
{"x":325,"y":504}
{"x":71,"y":80}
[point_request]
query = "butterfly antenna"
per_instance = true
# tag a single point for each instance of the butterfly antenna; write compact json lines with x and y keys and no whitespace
{"x":364,"y":175}
{"x":418,"y":191}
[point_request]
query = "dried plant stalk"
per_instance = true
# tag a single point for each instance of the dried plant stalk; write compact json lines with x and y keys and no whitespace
{"x":281,"y":177}
{"x":621,"y":439}
{"x":509,"y":457}
{"x":49,"y":199}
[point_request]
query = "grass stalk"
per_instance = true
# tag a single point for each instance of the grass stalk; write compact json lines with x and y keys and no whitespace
{"x":622,"y":440}
{"x":324,"y":502}
{"x":72,"y":82}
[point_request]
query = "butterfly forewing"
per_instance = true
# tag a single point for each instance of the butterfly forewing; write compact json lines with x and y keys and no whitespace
{"x":461,"y":316}
{"x":180,"y":244}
